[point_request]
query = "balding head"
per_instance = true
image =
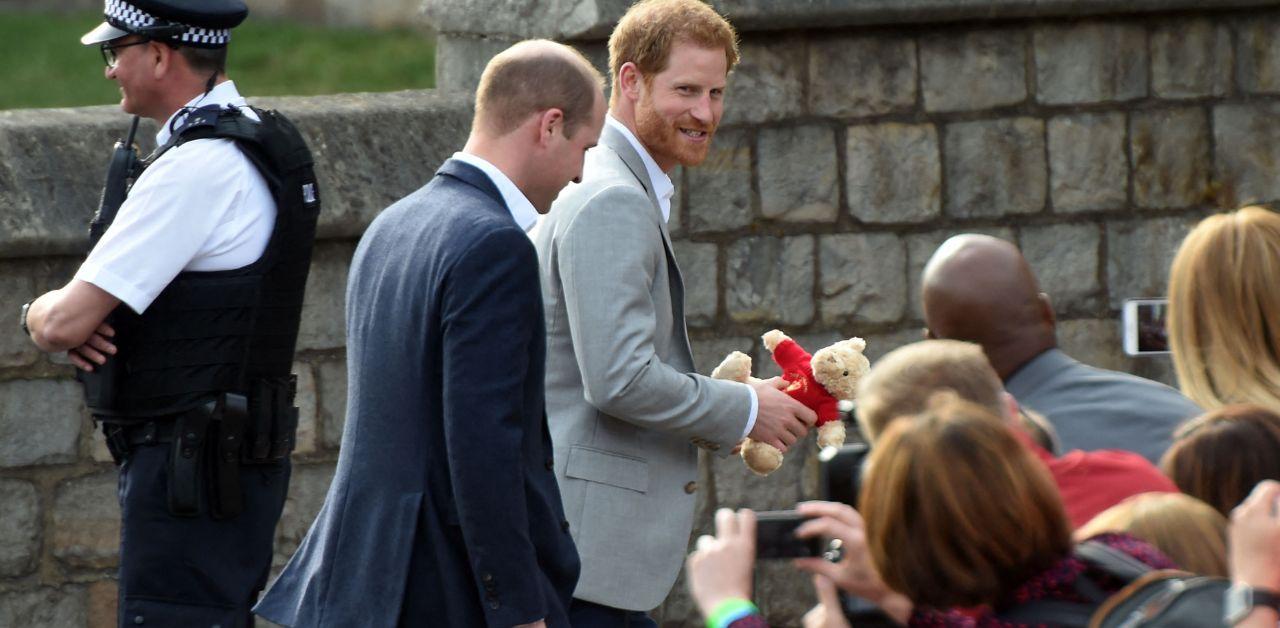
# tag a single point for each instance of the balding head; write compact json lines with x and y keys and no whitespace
{"x":980,"y":289}
{"x":531,"y":77}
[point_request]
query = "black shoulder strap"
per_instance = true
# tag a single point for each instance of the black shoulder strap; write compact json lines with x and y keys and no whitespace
{"x":1111,"y":561}
{"x":1098,"y":556}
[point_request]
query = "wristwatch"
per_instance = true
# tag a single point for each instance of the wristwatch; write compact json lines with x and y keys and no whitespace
{"x":1241,"y":599}
{"x":22,"y":319}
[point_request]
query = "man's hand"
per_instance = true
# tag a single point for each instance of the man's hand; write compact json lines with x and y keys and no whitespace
{"x":780,"y":420}
{"x":95,"y":350}
{"x":720,"y":567}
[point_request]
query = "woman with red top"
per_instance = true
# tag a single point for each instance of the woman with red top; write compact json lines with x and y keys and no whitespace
{"x":961,"y":524}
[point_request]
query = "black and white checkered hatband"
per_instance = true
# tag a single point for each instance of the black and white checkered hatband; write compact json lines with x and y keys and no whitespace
{"x":127,"y":17}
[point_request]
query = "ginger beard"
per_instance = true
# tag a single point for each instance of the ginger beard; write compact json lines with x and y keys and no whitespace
{"x":683,"y":140}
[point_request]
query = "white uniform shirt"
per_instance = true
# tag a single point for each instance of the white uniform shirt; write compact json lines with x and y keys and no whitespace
{"x":517,"y":203}
{"x":664,"y":190}
{"x":202,"y":206}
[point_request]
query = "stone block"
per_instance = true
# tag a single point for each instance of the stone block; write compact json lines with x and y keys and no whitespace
{"x":460,"y":59}
{"x":45,"y":607}
{"x":86,"y":522}
{"x":698,"y":268}
{"x":1088,"y":62}
{"x":893,"y":173}
{"x":861,"y":76}
{"x":323,"y":324}
{"x":1088,"y":167}
{"x":16,"y":288}
{"x":798,"y":178}
{"x":1258,"y":55}
{"x":332,"y":385}
{"x":770,"y":279}
{"x":995,"y":168}
{"x":972,"y":70}
{"x":719,"y":192}
{"x":19,"y":527}
{"x":1246,"y":151}
{"x":1170,"y":155}
{"x":305,"y":441}
{"x":1065,"y":261}
{"x":861,"y":277}
{"x":40,"y":421}
{"x":307,"y":489}
{"x":767,"y":84}
{"x":1093,"y":342}
{"x":920,"y":247}
{"x":737,"y":487}
{"x":1139,"y":253}
{"x":880,"y":344}
{"x":1190,"y":58}
{"x":103,"y":601}
{"x":788,"y":594}
{"x":708,"y":353}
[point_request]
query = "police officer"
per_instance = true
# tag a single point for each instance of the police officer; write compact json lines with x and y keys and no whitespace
{"x":183,"y":319}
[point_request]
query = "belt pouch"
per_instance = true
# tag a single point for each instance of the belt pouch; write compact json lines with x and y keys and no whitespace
{"x":189,"y":432}
{"x":285,"y":425}
{"x":258,"y":430}
{"x":226,"y":497}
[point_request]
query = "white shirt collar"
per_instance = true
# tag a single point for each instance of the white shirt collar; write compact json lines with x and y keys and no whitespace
{"x":222,"y":94}
{"x":517,"y":203}
{"x":662,"y":186}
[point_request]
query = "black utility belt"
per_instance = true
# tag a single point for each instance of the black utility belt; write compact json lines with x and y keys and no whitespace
{"x":208,"y":445}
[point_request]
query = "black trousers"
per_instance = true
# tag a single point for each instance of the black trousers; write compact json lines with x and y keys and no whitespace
{"x":193,"y":571}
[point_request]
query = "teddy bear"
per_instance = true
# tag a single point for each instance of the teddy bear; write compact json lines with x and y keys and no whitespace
{"x":819,"y":381}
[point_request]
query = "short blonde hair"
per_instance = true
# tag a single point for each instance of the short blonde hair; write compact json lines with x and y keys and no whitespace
{"x":900,"y":382}
{"x":1186,"y":529}
{"x":934,"y":530}
{"x":533,"y":76}
{"x":1224,"y":310}
{"x":651,"y":28}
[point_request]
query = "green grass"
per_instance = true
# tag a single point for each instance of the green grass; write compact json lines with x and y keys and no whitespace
{"x":42,"y":63}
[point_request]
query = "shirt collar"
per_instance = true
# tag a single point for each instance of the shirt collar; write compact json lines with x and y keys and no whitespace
{"x":222,"y":94}
{"x":518,"y":204}
{"x":662,"y":186}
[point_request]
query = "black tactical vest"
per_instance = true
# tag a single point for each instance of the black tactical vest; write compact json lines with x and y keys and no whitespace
{"x":235,"y":330}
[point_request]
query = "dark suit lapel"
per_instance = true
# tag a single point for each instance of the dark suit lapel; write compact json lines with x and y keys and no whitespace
{"x":617,"y":142}
{"x":476,"y":178}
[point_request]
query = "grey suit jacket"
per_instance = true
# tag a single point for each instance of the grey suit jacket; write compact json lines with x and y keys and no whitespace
{"x":1093,"y":408}
{"x":624,"y":406}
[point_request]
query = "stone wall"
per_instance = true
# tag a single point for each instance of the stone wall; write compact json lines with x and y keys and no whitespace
{"x":859,"y":135}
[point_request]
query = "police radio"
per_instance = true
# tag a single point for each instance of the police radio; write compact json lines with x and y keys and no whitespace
{"x":100,"y":384}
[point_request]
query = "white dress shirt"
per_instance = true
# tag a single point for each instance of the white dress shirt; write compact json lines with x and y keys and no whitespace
{"x":664,"y":190}
{"x":517,"y":203}
{"x":201,"y":206}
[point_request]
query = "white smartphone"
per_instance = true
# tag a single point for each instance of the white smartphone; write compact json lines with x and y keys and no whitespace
{"x":1144,"y":326}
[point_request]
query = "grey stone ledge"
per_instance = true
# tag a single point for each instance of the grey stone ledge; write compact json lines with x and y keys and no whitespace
{"x":370,"y":150}
{"x":594,"y":19}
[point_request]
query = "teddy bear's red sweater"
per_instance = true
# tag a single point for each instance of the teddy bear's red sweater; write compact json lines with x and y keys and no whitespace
{"x":796,"y":369}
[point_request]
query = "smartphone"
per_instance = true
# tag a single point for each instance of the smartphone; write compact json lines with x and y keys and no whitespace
{"x":776,"y":536}
{"x":841,"y":472}
{"x":1144,"y":326}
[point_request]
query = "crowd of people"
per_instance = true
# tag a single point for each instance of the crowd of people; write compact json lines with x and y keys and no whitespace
{"x":523,"y":420}
{"x":967,"y":517}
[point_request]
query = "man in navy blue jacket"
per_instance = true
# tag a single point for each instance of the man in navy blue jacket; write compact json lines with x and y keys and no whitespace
{"x":444,"y":509}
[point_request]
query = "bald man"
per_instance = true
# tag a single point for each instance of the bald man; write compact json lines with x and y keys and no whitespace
{"x":444,"y":508}
{"x":980,"y":289}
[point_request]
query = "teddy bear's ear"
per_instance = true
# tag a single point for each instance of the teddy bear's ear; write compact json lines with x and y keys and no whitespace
{"x":855,"y":343}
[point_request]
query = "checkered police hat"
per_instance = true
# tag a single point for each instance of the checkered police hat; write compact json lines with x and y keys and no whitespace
{"x":198,"y":23}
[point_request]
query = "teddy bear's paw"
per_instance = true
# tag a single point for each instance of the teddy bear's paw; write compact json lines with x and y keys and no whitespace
{"x":736,"y":366}
{"x":831,"y":434}
{"x":773,"y":338}
{"x":761,"y":458}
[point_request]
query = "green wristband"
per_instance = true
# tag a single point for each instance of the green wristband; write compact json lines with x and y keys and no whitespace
{"x":729,"y":611}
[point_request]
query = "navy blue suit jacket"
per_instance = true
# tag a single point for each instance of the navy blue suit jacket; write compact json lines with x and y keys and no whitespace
{"x":444,"y":509}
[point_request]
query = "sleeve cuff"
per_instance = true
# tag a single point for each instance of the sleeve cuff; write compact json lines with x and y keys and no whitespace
{"x":755,"y":409}
{"x":115,"y":285}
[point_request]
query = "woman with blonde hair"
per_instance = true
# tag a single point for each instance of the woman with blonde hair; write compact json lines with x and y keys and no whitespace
{"x":1224,"y":310}
{"x":1186,"y":529}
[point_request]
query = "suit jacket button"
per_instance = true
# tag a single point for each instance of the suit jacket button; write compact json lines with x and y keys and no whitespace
{"x":690,"y":487}
{"x":564,"y":525}
{"x":493,"y":604}
{"x":551,"y":464}
{"x":487,"y":577}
